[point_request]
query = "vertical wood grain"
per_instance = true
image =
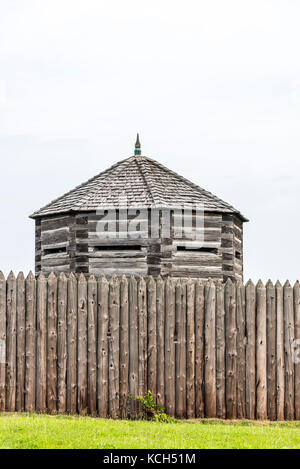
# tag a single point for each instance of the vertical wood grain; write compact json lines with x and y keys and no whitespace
{"x":241,"y":350}
{"x":210,"y":348}
{"x":92,"y":345}
{"x":250,"y":350}
{"x":199,"y":348}
{"x":62,"y":299}
{"x":52,"y":344}
{"x":41,"y":345}
{"x":288,"y":313}
{"x":261,"y":352}
{"x":279,"y":352}
{"x":220,"y":351}
{"x":2,"y":341}
{"x":102,"y":348}
{"x":231,"y":349}
{"x":160,"y":328}
{"x":72,"y":345}
{"x":271,"y":351}
{"x":124,"y":347}
{"x":190,"y":353}
{"x":114,"y":346}
{"x":170,"y":348}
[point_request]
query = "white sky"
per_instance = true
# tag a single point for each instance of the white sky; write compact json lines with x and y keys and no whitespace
{"x":212,"y":86}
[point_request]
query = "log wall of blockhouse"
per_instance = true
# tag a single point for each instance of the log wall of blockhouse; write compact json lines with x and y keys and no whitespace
{"x":232,"y":247}
{"x":77,"y":248}
{"x":54,"y":244}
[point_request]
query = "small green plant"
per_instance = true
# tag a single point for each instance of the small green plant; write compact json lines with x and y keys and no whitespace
{"x":151,"y":410}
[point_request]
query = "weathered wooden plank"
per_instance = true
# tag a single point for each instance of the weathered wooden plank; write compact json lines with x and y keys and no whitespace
{"x":152,"y":342}
{"x":2,"y":341}
{"x":62,"y":299}
{"x":271,"y":350}
{"x":102,"y":354}
{"x":41,"y":345}
{"x":288,"y":314}
{"x":231,"y":349}
{"x":170,"y":348}
{"x":72,"y":345}
{"x":52,"y":344}
{"x":261,"y":352}
{"x":220,"y":351}
{"x":296,"y":348}
{"x":180,"y":349}
{"x":241,"y":350}
{"x":209,"y":350}
{"x":92,"y":345}
{"x":82,"y":345}
{"x":160,"y":308}
{"x":30,"y":343}
{"x":124,"y":347}
{"x":20,"y":385}
{"x":11,"y":343}
{"x":113,"y":346}
{"x":279,"y":352}
{"x":142,"y":320}
{"x":199,"y":348}
{"x":190,"y":358}
{"x":133,"y":347}
{"x":250,"y":350}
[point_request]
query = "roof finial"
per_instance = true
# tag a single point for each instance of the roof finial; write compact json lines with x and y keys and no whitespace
{"x":137,"y":151}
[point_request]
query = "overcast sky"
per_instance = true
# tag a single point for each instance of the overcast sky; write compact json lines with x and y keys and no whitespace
{"x":212,"y":86}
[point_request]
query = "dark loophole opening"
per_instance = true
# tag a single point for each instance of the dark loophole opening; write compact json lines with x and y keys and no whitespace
{"x":190,"y":249}
{"x":116,"y":247}
{"x":55,"y":250}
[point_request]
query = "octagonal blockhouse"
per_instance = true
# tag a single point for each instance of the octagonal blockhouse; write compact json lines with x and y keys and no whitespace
{"x":140,"y":218}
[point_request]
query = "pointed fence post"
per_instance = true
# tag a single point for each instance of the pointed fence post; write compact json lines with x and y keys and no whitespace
{"x":241,"y":350}
{"x":20,"y":390}
{"x":220,"y":351}
{"x":152,"y":343}
{"x":199,"y":348}
{"x":52,"y":344}
{"x":288,"y":315}
{"x":124,"y":347}
{"x":92,"y":345}
{"x":82,"y":345}
{"x":296,"y":348}
{"x":160,"y":307}
{"x":102,"y":347}
{"x":261,"y":352}
{"x":30,"y":344}
{"x":114,"y":346}
{"x":62,"y":300}
{"x":271,"y":350}
{"x":11,"y":343}
{"x":133,"y":347}
{"x":41,"y":345}
{"x":190,"y":354}
{"x":142,"y":339}
{"x":2,"y":341}
{"x":210,"y":346}
{"x":250,"y":350}
{"x":231,"y":349}
{"x":180,"y":349}
{"x":279,"y":352}
{"x":72,"y":345}
{"x":170,"y":348}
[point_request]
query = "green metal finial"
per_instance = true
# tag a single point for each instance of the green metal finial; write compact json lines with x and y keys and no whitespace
{"x":137,"y":151}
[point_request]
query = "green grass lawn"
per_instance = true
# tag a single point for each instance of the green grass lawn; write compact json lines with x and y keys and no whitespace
{"x":44,"y":431}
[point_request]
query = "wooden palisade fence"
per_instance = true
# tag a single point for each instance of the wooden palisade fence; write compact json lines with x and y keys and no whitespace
{"x":84,"y":346}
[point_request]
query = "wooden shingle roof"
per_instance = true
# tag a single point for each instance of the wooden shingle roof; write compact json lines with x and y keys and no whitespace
{"x":144,"y":182}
